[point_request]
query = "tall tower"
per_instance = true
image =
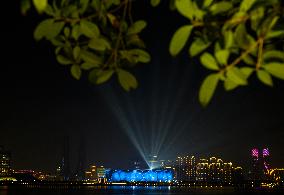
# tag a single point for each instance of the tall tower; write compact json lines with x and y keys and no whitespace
{"x":65,"y":163}
{"x":265,"y":156}
{"x":260,"y":164}
{"x":81,"y":166}
{"x":5,"y":162}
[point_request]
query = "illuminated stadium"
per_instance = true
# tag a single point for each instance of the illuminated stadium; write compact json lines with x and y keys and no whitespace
{"x":162,"y":175}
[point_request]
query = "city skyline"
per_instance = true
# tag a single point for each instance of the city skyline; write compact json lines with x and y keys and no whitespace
{"x":191,"y":171}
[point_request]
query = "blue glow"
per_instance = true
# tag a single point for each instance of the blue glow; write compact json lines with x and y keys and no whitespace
{"x":141,"y":176}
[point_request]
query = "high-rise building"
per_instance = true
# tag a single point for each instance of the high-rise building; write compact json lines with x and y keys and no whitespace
{"x":191,"y":169}
{"x":202,"y":170}
{"x":185,"y":168}
{"x":214,"y":171}
{"x":266,"y":161}
{"x":81,"y":165}
{"x":92,"y":174}
{"x":65,"y":164}
{"x":5,"y":162}
{"x":260,"y":164}
{"x":277,"y":177}
{"x":238,"y":178}
{"x":227,"y":173}
{"x":101,"y":172}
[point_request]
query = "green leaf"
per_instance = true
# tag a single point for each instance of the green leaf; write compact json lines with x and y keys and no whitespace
{"x":220,"y":7}
{"x":99,"y":44}
{"x":76,"y":32}
{"x":267,"y":25}
{"x":40,"y":5}
{"x":48,"y":29}
{"x":209,"y":61}
{"x":179,"y":39}
{"x":100,"y":76}
{"x":42,"y":29}
{"x":229,"y":85}
{"x":63,"y":60}
{"x":207,"y":3}
{"x":198,"y":46}
{"x":141,"y":55}
{"x":246,"y":5}
{"x":96,"y":4}
{"x":198,"y":14}
{"x":155,"y":3}
{"x":222,"y":56}
{"x":247,"y":71}
{"x":112,"y":19}
{"x":25,"y":6}
{"x":89,"y":29}
{"x":242,"y":38}
{"x":76,"y":52}
{"x":76,"y":71}
{"x":274,"y":34}
{"x":273,"y":54}
{"x":208,"y":88}
{"x":217,"y":47}
{"x":136,"y":27}
{"x":249,"y":60}
{"x":237,"y":76}
{"x":84,"y":5}
{"x":57,"y":50}
{"x":89,"y":66}
{"x":55,"y":30}
{"x":90,"y":57}
{"x":126,"y":80}
{"x":134,"y":40}
{"x":264,"y":77}
{"x":67,"y":32}
{"x":276,"y":69}
{"x":185,"y":8}
{"x":229,"y":39}
{"x":256,"y":17}
{"x":135,"y":55}
{"x":49,"y":11}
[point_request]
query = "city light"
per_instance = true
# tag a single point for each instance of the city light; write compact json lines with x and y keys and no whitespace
{"x":141,"y":176}
{"x":254,"y":152}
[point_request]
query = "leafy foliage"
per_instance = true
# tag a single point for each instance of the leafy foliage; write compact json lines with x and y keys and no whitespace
{"x":93,"y":36}
{"x":233,"y":39}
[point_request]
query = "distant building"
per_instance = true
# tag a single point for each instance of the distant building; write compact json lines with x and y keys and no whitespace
{"x":185,"y":169}
{"x":65,"y":162}
{"x":101,"y":172}
{"x":238,"y":178}
{"x":153,"y":162}
{"x":137,"y":164}
{"x":5,"y":162}
{"x":260,"y":164}
{"x":212,"y":170}
{"x":92,"y":174}
{"x":277,"y":177}
{"x":202,"y":170}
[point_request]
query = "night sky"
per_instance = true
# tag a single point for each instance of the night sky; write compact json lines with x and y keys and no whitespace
{"x":40,"y":104}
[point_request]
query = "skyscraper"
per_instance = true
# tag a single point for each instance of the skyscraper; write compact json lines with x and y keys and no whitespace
{"x":186,"y":168}
{"x":65,"y":164}
{"x":5,"y":162}
{"x":260,"y":164}
{"x":266,"y":156}
{"x":81,"y":166}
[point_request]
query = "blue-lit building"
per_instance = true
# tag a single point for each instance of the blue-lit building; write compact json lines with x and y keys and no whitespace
{"x":156,"y":175}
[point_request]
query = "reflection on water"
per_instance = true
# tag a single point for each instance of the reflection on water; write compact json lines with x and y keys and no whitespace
{"x":121,"y":190}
